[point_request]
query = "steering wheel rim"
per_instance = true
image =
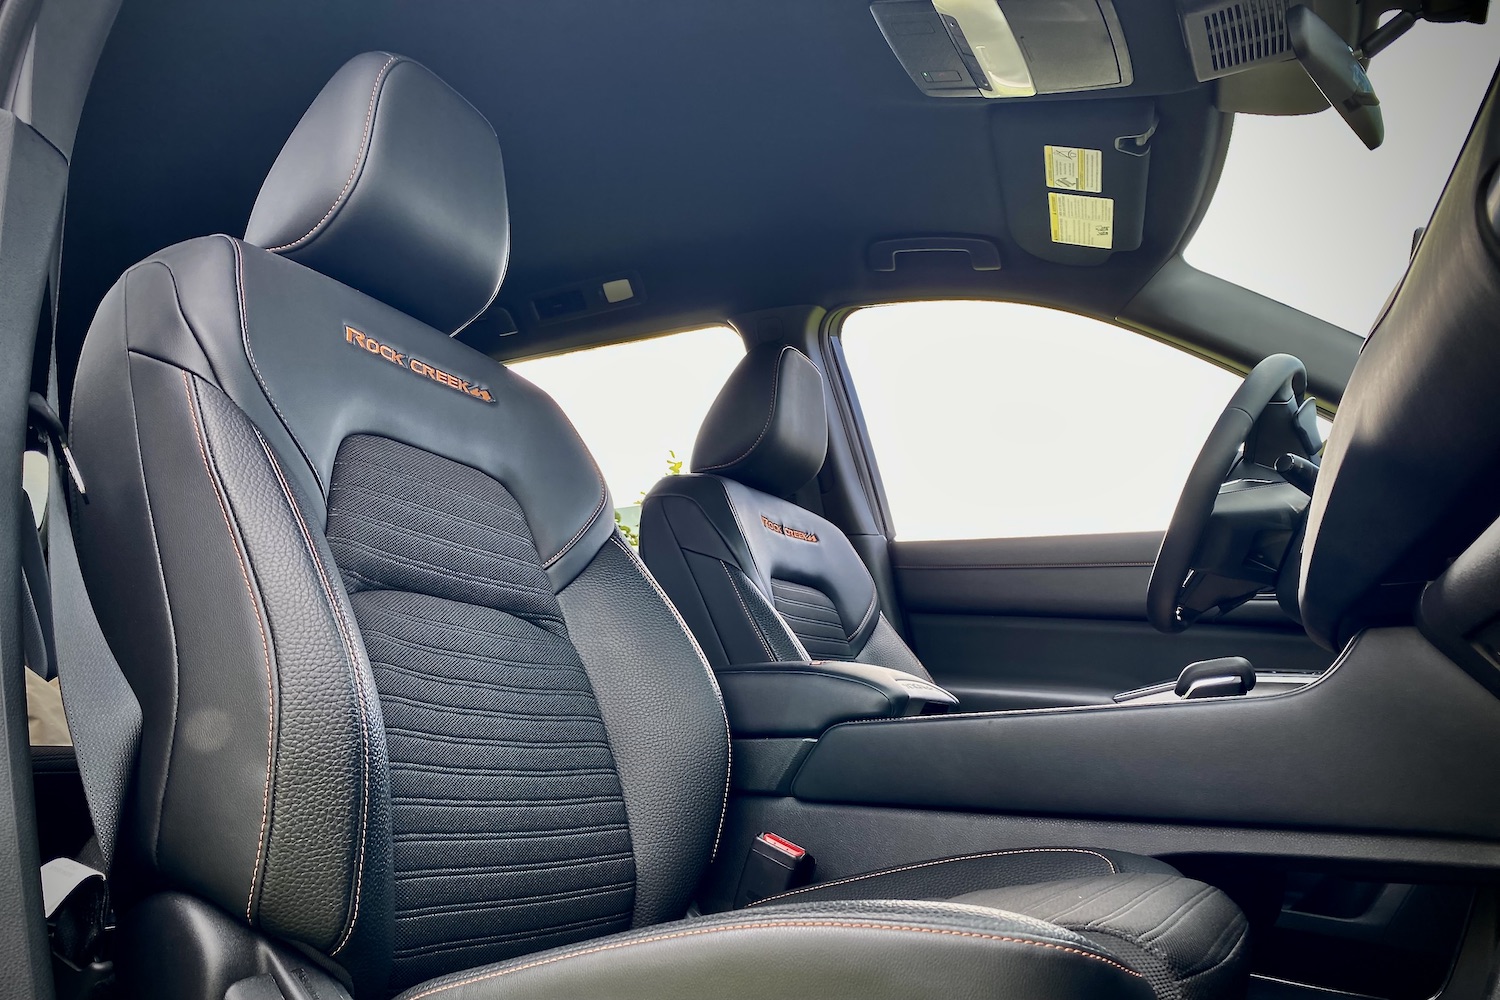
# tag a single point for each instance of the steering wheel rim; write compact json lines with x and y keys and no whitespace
{"x":1272,"y":379}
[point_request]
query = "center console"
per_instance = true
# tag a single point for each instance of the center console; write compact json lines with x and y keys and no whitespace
{"x":1226,"y":677}
{"x":1393,"y":736}
{"x":803,"y":699}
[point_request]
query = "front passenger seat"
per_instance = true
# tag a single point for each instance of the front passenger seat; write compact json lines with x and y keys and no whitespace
{"x":415,"y":718}
{"x":757,"y":577}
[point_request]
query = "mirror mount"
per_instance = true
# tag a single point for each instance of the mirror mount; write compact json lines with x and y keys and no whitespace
{"x":1337,"y":72}
{"x":1381,"y":38}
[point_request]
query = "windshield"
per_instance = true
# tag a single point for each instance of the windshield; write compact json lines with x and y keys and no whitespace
{"x":1306,"y":215}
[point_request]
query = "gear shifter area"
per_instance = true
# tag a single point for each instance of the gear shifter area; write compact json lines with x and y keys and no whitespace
{"x":1223,"y":677}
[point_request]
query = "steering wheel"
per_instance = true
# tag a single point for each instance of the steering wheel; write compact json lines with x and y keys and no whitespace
{"x":1280,"y":379}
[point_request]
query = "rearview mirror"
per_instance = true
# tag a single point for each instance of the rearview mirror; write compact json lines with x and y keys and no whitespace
{"x":1333,"y":66}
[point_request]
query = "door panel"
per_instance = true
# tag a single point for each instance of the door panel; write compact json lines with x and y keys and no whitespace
{"x":1036,"y":622}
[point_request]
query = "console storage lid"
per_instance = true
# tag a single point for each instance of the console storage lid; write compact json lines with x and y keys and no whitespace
{"x":800,"y":698}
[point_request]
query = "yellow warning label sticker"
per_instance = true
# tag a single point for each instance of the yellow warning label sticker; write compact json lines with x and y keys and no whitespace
{"x":1082,"y":221}
{"x":1072,"y":168}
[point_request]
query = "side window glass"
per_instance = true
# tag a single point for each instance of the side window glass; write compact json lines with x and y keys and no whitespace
{"x":994,"y":420}
{"x":638,"y":405}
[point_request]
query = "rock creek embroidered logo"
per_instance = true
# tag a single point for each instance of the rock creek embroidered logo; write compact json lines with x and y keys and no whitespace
{"x":781,"y":529}
{"x":415,"y":365}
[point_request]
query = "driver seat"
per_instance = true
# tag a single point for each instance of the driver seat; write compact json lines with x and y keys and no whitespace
{"x":757,"y":577}
{"x":414,"y":717}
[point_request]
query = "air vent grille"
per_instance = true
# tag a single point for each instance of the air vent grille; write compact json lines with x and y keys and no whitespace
{"x":1250,"y":31}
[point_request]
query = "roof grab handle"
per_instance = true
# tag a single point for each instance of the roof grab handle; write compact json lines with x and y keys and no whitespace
{"x":984,"y":254}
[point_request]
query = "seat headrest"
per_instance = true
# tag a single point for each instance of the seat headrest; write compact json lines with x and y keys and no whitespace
{"x":392,"y":184}
{"x":768,"y":428}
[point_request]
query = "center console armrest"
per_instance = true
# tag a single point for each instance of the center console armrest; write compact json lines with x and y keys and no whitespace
{"x":798,"y":698}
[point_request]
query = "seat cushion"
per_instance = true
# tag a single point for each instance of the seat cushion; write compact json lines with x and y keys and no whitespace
{"x":1187,"y":938}
{"x":867,"y":950}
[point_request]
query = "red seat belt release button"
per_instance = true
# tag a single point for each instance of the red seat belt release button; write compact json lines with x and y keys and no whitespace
{"x":773,"y":865}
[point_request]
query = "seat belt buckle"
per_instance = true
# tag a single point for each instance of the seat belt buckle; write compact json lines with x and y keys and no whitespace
{"x":75,"y":899}
{"x":773,"y":865}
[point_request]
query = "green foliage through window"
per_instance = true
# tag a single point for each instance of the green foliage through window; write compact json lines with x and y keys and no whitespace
{"x":627,"y":519}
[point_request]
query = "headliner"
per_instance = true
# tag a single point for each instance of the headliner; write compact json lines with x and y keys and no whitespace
{"x":734,"y":156}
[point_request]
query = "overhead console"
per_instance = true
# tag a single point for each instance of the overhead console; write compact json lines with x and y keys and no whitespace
{"x":1006,"y":48}
{"x":1074,"y":184}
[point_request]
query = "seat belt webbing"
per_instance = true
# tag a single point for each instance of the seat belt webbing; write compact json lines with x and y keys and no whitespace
{"x":103,"y":715}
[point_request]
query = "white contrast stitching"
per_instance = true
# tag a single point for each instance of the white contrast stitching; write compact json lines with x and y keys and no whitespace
{"x":754,"y":625}
{"x":944,"y":861}
{"x":603,"y":496}
{"x":874,"y":603}
{"x":713,"y":681}
{"x":770,"y":417}
{"x":265,"y":813}
{"x":359,"y":159}
{"x":844,"y":924}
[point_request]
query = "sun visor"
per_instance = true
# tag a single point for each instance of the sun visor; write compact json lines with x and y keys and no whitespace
{"x":1074,"y":184}
{"x":1006,"y":48}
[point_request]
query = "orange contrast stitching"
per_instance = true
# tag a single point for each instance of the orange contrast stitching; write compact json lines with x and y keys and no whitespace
{"x":359,"y":683}
{"x":770,"y":416}
{"x":848,"y":925}
{"x":265,"y":646}
{"x":942,"y":861}
{"x":359,"y":159}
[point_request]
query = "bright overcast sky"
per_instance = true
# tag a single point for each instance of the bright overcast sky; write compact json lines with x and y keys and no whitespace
{"x":971,"y":440}
{"x":1305,"y":214}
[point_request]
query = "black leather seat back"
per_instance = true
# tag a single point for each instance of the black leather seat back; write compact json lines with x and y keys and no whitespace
{"x":408,"y":699}
{"x":757,"y":577}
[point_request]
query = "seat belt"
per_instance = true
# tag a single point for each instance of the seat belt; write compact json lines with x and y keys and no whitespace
{"x":103,"y":714}
{"x":36,"y":599}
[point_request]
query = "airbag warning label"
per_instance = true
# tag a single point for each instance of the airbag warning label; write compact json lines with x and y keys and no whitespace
{"x":1081,"y":221}
{"x":1072,"y":168}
